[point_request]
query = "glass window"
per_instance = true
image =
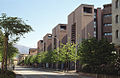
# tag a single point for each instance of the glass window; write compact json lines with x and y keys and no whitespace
{"x":107,"y":34}
{"x":107,"y":25}
{"x":49,"y":36}
{"x":107,"y":15}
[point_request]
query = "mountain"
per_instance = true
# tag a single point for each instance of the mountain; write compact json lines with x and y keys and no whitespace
{"x":22,"y":49}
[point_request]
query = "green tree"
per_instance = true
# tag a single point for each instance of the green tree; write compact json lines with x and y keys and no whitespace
{"x":12,"y":51}
{"x":32,"y":59}
{"x":26,"y":61}
{"x":12,"y":27}
{"x":96,"y":54}
{"x":67,"y":54}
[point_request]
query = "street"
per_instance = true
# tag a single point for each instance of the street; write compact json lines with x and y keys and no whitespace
{"x":42,"y":73}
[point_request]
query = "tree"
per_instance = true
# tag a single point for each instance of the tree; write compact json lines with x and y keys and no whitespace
{"x":67,"y":53}
{"x":12,"y":51}
{"x":96,"y":54}
{"x":12,"y":27}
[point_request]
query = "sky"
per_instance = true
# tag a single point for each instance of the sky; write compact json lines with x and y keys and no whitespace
{"x":43,"y":15}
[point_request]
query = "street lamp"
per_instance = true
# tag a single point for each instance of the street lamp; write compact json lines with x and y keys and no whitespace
{"x":76,"y":52}
{"x":75,"y":57}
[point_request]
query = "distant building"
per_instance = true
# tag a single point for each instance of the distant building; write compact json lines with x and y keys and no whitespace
{"x":22,"y":57}
{"x":40,"y":46}
{"x":59,"y":35}
{"x":33,"y":51}
{"x":47,"y":42}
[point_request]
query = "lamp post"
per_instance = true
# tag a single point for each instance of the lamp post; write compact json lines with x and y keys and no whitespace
{"x":76,"y":52}
{"x":75,"y":59}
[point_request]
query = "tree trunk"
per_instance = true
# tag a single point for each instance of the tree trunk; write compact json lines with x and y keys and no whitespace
{"x":6,"y":52}
{"x":3,"y":59}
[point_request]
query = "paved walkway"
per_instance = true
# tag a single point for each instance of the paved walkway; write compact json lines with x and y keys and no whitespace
{"x":42,"y":73}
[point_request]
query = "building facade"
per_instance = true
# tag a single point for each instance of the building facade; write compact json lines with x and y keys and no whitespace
{"x":33,"y":51}
{"x":83,"y":23}
{"x":59,"y":35}
{"x":47,"y":42}
{"x":116,"y":22}
{"x":98,"y":23}
{"x":40,"y":46}
{"x":107,"y":22}
{"x":22,"y":57}
{"x":86,"y":22}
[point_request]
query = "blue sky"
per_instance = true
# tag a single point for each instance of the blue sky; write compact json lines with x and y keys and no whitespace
{"x":43,"y":15}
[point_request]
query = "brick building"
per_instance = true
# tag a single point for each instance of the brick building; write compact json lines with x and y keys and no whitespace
{"x":59,"y":35}
{"x":107,"y":22}
{"x":33,"y":51}
{"x":81,"y":23}
{"x":40,"y":46}
{"x":47,"y":42}
{"x":21,"y":57}
{"x":86,"y":21}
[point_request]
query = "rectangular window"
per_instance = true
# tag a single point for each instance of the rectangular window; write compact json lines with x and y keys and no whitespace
{"x":107,"y":34}
{"x":49,"y":36}
{"x":63,"y":27}
{"x":107,"y":25}
{"x":107,"y":15}
{"x":87,"y":10}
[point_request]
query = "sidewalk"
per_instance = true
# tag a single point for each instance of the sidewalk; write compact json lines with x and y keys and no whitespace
{"x":19,"y":76}
{"x":59,"y":71}
{"x":72,"y":72}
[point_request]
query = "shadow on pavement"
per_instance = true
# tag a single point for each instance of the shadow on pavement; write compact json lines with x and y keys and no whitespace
{"x":51,"y":76}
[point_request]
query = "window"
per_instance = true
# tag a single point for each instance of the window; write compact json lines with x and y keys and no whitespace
{"x":107,"y":25}
{"x":87,"y":10}
{"x":117,"y":18}
{"x":117,"y":34}
{"x":95,"y":13}
{"x":116,"y":4}
{"x":41,"y":41}
{"x":106,"y":34}
{"x":49,"y":36}
{"x":94,"y":33}
{"x":107,"y":15}
{"x":63,"y":27}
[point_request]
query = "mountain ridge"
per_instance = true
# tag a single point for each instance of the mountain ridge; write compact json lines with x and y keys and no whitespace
{"x":22,"y":49}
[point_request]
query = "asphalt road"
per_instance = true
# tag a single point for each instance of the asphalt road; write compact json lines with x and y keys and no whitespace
{"x":40,"y":73}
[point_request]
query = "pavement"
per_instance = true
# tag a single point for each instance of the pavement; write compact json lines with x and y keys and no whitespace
{"x":23,"y":72}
